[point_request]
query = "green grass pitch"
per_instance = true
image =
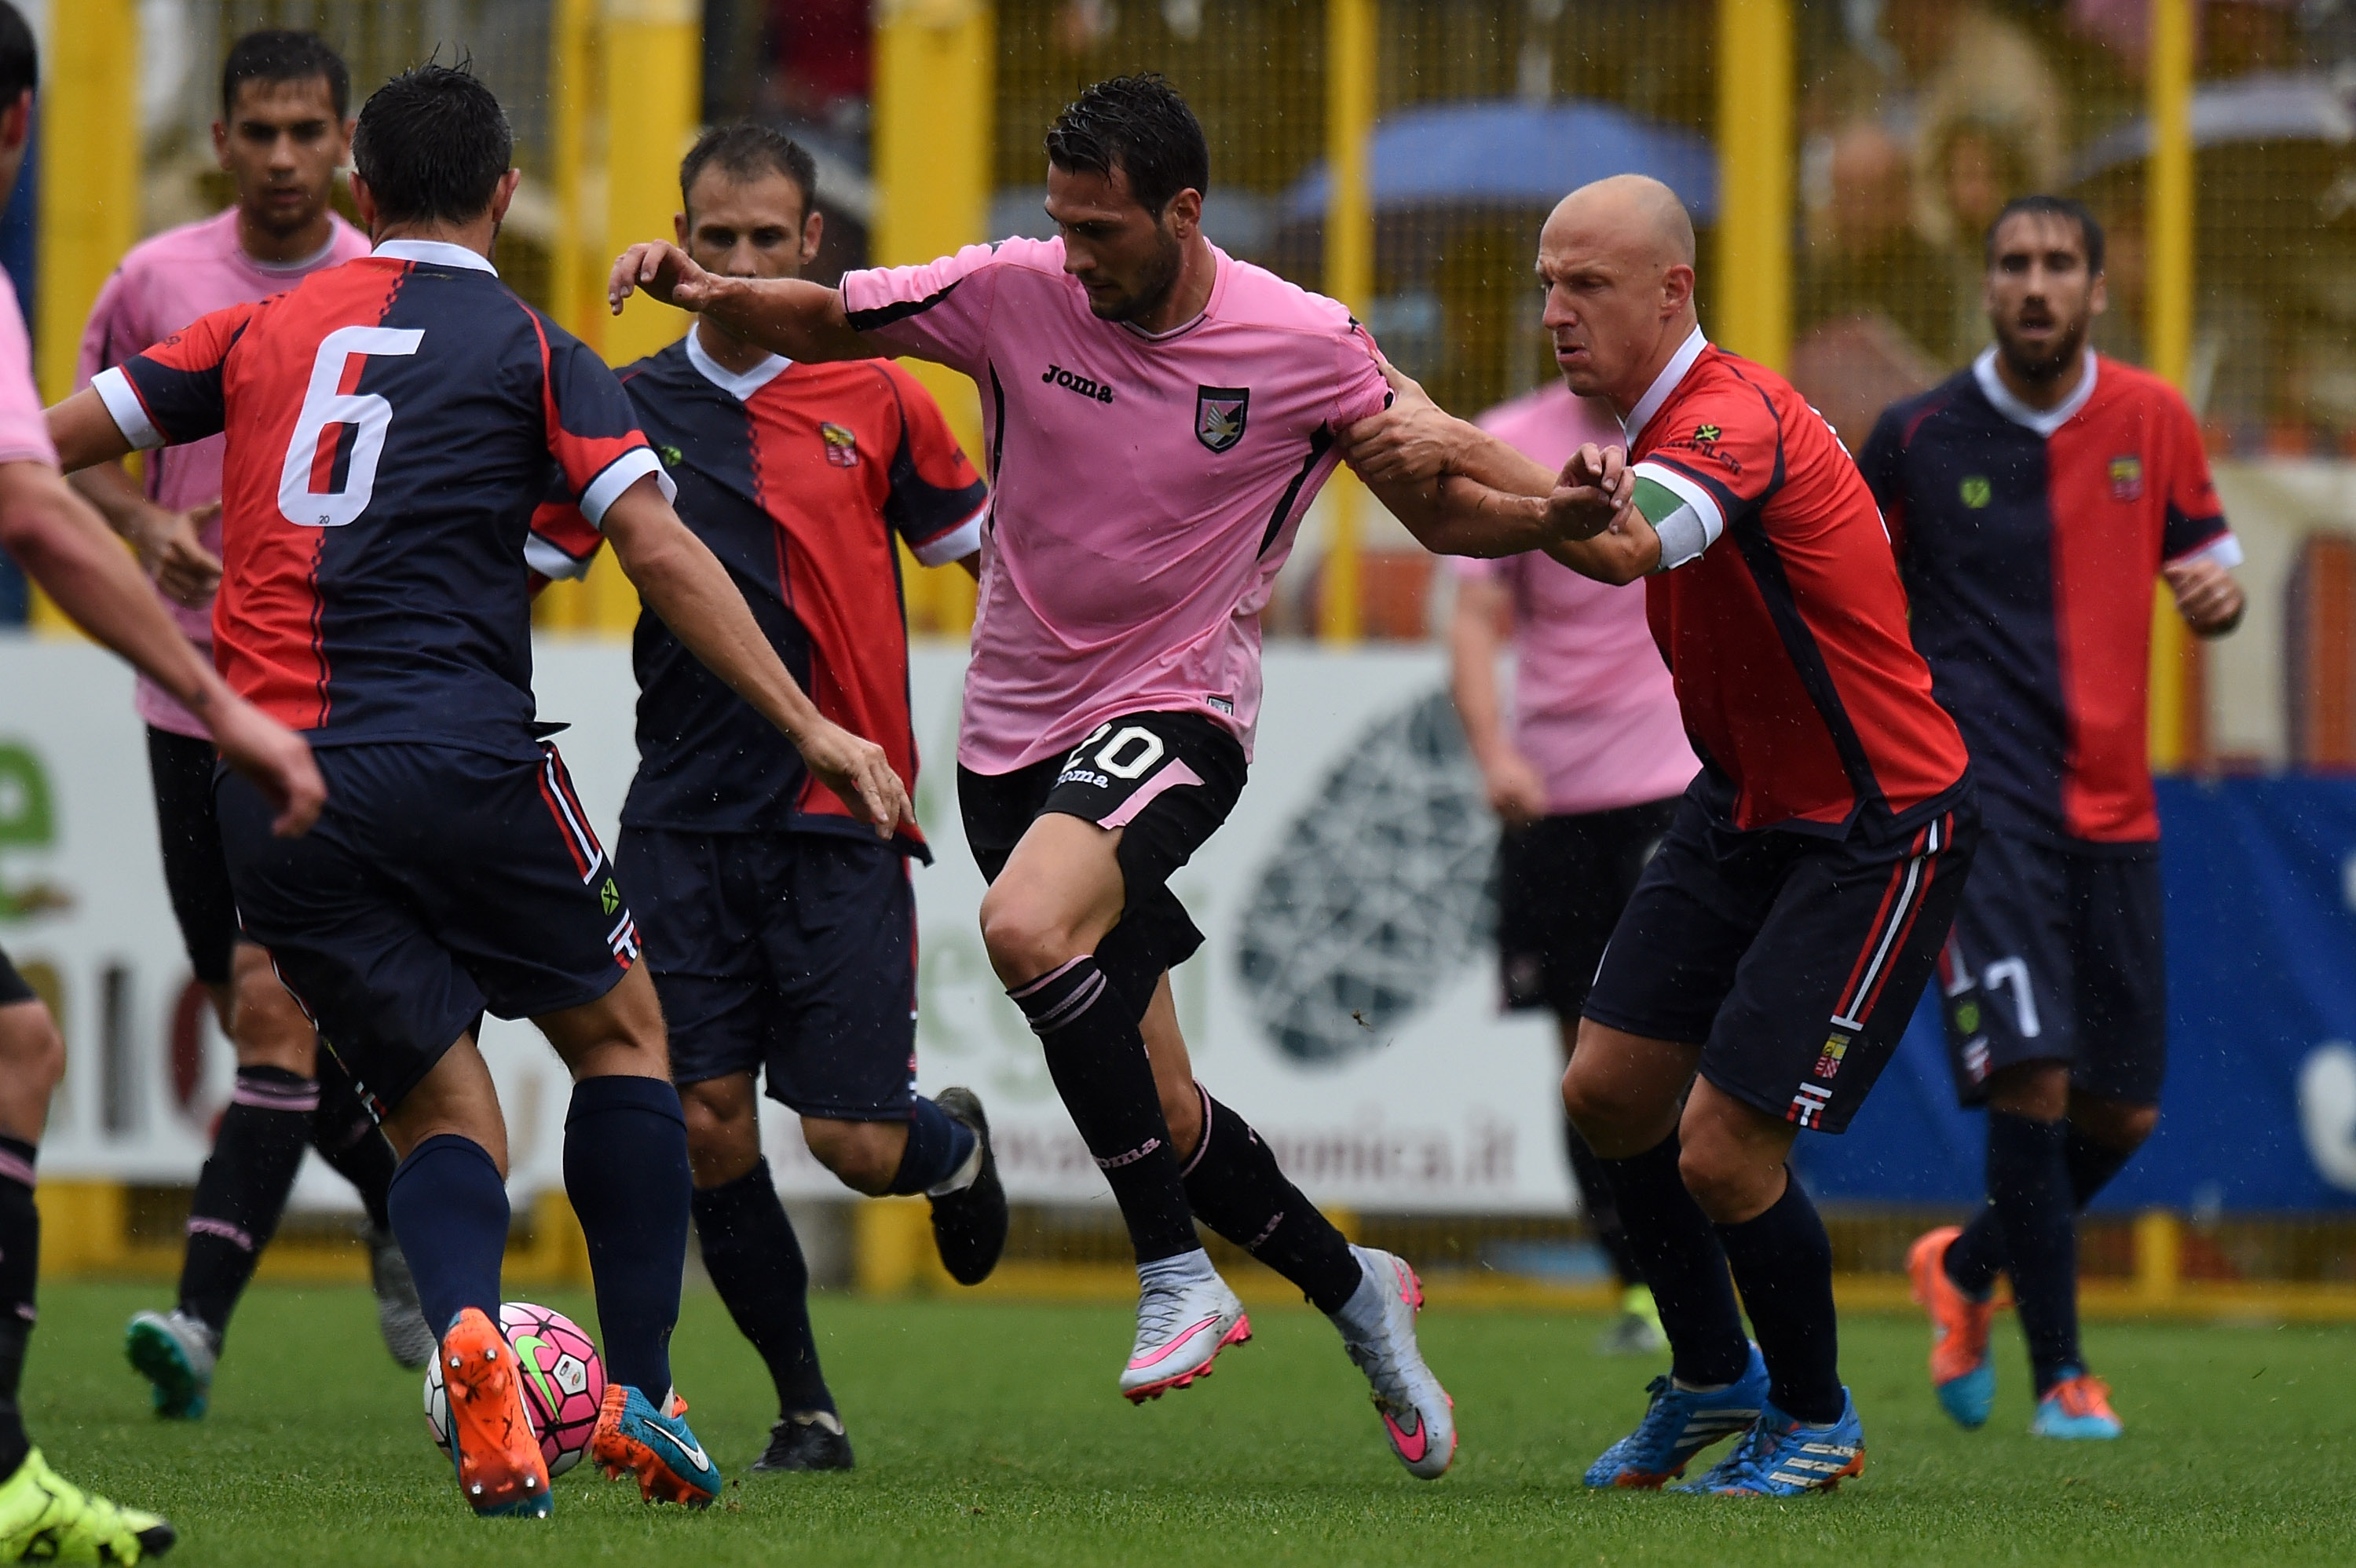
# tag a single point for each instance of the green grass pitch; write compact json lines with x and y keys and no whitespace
{"x":990,"y":1433}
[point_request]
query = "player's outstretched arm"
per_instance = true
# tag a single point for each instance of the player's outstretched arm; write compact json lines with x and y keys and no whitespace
{"x":685,"y":584}
{"x":62,"y":546}
{"x":786,"y":315}
{"x":84,"y":433}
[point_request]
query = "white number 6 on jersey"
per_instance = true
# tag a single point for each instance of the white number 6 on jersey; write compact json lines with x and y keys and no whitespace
{"x":324,"y":406}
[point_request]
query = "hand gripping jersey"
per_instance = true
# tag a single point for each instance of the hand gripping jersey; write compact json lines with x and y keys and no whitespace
{"x":1145,"y":489}
{"x":162,"y":286}
{"x":1779,"y":609}
{"x":2030,"y":541}
{"x":800,"y":478}
{"x":392,"y":424}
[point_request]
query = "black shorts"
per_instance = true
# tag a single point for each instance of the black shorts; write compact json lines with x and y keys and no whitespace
{"x":1794,"y":961}
{"x":1561,"y":884}
{"x":438,"y":882}
{"x":196,"y":873}
{"x":14,"y":987}
{"x":793,"y":953}
{"x":2059,"y":957}
{"x":1166,"y":780}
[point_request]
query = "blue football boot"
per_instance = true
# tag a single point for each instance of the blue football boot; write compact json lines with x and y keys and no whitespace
{"x":655,"y":1445}
{"x":1680,"y":1424}
{"x":1782,"y":1458}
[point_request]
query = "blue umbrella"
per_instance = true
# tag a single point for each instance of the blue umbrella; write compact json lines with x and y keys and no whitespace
{"x":1503,"y":151}
{"x":2266,"y":108}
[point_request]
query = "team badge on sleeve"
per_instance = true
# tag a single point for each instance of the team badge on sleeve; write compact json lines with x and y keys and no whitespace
{"x":1219,"y":415}
{"x":841,"y":446}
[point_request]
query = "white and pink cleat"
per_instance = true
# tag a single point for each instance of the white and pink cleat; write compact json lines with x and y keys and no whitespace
{"x":1378,"y":1332}
{"x":1185,"y":1317}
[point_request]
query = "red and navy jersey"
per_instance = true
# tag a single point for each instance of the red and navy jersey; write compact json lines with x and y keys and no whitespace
{"x":2030,"y":541}
{"x":800,"y":477}
{"x":1786,"y":637}
{"x":393,"y":423}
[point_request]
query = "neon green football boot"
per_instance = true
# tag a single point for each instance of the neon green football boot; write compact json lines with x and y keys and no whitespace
{"x":46,"y":1519}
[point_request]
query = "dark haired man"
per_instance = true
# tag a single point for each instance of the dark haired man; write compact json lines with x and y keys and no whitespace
{"x":281,"y":135}
{"x":1160,"y":416}
{"x":2033,"y":498}
{"x":393,"y":423}
{"x":63,"y":546}
{"x":780,"y":933}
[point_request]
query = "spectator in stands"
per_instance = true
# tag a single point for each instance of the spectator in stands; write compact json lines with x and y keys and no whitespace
{"x":1958,"y":59}
{"x":1973,"y":167}
{"x":1871,"y":262}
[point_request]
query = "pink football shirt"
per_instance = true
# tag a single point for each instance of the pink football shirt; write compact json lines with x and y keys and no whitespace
{"x":162,"y":286}
{"x":23,"y":432}
{"x":1593,"y":706}
{"x":1143,"y":489}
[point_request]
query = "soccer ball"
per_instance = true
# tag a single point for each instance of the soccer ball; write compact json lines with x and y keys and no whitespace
{"x":563,"y":1383}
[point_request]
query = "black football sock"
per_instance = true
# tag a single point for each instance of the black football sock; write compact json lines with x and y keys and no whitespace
{"x":1088,"y":1034}
{"x":755,"y":1263}
{"x":939,"y":1144}
{"x":1602,"y":1213}
{"x":2091,"y":1165}
{"x":2029,"y":1187}
{"x":1678,"y":1252}
{"x":449,"y":1209}
{"x":20,"y":1251}
{"x":1238,"y":1188}
{"x":625,"y":1171}
{"x":241,"y":1191}
{"x":1976,"y":1255}
{"x":347,"y":1137}
{"x":1782,"y":1262}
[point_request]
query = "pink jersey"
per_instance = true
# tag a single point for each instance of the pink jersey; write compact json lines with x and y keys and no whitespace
{"x":24,"y":432}
{"x":162,"y":286}
{"x":1143,"y":490}
{"x":1593,"y":706}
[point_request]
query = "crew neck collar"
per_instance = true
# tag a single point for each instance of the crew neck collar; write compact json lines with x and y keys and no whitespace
{"x":1665,"y":383}
{"x":2044,"y":422}
{"x":436,"y":253}
{"x":301,"y":263}
{"x":739,"y":385}
{"x":1210,"y":306}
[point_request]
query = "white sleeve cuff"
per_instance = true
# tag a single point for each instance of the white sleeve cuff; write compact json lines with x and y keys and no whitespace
{"x":113,"y":389}
{"x":552,"y":562}
{"x":955,"y":545}
{"x":1694,"y":527}
{"x":2224,"y":550}
{"x":620,"y":476}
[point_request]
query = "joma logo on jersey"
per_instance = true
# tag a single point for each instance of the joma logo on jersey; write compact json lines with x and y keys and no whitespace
{"x":1829,"y":1063}
{"x":1976,"y":491}
{"x":1219,"y":415}
{"x":1084,"y":386}
{"x":841,"y":446}
{"x":2126,"y":478}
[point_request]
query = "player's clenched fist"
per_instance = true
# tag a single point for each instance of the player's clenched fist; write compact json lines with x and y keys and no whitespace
{"x":665,"y":272}
{"x":1595,"y":487}
{"x":2206,"y":596}
{"x":858,"y":772}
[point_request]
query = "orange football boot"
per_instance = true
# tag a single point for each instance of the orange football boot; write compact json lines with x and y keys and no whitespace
{"x":492,"y":1444}
{"x":1962,"y":1374}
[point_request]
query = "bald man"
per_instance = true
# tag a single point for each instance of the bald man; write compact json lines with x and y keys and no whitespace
{"x":1775,"y":948}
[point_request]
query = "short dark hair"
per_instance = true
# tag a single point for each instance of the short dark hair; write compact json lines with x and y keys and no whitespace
{"x":281,"y":54}
{"x":20,"y":58}
{"x":1140,"y":124}
{"x":747,"y":150}
{"x":2090,"y":232}
{"x":433,"y":145}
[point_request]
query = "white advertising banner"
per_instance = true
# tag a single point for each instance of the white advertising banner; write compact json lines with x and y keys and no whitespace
{"x":1344,"y":1001}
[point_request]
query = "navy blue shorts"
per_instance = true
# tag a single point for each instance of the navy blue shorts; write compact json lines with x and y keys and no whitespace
{"x":2060,"y":956}
{"x":438,"y":883}
{"x":792,"y":954}
{"x":1793,"y":960}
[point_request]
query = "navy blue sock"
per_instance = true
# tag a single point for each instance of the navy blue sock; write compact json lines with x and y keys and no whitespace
{"x":2091,"y":1165}
{"x":449,"y":1208}
{"x":1782,"y":1262}
{"x":938,"y":1144}
{"x":2028,"y":1188}
{"x":755,"y":1263}
{"x":1976,"y":1257}
{"x":1673,"y":1242}
{"x":626,"y":1171}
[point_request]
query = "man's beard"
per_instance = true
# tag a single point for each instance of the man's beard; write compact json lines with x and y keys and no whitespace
{"x":1154,"y":290}
{"x":2045,"y":366}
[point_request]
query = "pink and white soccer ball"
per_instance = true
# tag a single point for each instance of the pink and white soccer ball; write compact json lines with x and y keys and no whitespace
{"x":563,"y":1383}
